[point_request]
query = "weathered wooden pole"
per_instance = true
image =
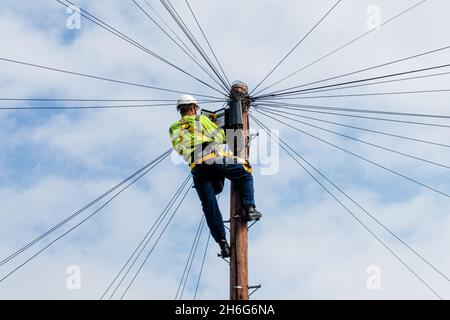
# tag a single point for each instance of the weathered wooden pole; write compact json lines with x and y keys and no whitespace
{"x":238,"y":224}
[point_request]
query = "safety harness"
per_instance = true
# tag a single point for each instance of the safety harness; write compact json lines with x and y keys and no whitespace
{"x":224,"y":156}
{"x":218,"y":155}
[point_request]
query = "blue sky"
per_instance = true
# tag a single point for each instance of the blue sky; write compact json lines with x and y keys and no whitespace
{"x":54,"y":162}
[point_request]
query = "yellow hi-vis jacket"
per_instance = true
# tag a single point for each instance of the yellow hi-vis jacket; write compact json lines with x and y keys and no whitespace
{"x":198,"y":139}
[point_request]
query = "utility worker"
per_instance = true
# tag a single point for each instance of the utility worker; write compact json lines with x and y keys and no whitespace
{"x":201,"y":144}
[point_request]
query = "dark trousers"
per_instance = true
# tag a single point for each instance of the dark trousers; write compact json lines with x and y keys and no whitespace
{"x":206,"y":178}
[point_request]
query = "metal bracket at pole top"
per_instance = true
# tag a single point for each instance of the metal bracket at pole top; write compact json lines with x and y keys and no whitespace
{"x":238,"y":104}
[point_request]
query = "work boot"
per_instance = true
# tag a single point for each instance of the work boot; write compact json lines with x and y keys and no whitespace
{"x":224,"y":248}
{"x":252,"y":214}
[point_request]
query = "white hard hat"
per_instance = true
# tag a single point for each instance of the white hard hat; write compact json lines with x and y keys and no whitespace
{"x":185,"y":99}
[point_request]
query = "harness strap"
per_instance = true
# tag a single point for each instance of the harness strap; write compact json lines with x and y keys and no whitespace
{"x":229,"y":155}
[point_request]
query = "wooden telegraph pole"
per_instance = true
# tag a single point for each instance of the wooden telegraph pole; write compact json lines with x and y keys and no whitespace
{"x":239,"y":106}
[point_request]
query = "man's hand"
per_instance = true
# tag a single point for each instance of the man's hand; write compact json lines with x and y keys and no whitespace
{"x":213,"y":117}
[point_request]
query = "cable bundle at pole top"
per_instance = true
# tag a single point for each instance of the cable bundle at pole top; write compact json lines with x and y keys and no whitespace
{"x":284,"y":108}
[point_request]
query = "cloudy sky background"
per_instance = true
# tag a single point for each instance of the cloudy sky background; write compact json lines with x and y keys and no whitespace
{"x":54,"y":162}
